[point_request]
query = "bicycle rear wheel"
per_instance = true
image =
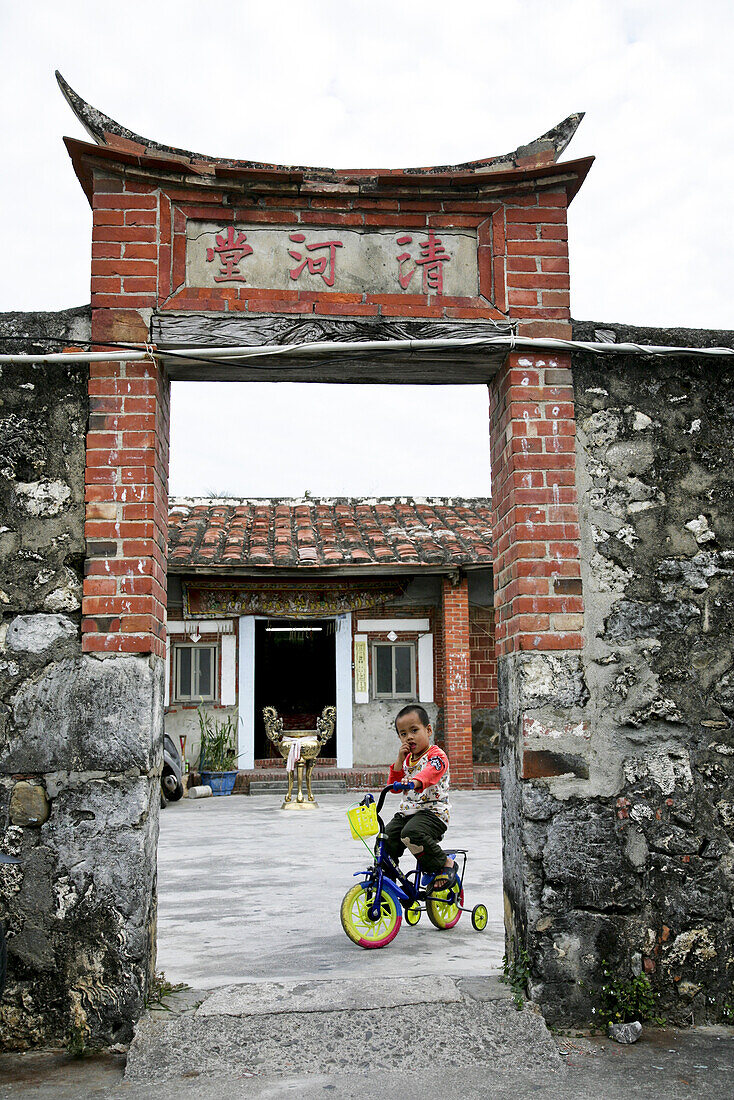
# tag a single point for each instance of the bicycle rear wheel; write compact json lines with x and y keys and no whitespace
{"x":356,"y":921}
{"x":444,"y":907}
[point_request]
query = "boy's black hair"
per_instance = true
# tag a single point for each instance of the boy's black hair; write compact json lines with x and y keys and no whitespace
{"x":419,"y":710}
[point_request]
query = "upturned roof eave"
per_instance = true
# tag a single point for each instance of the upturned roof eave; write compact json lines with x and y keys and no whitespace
{"x":124,"y":146}
{"x":570,"y":174}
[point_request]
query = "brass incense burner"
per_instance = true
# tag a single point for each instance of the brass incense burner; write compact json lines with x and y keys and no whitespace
{"x":300,"y":748}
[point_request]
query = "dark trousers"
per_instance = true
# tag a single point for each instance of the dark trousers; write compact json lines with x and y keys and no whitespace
{"x":420,"y":833}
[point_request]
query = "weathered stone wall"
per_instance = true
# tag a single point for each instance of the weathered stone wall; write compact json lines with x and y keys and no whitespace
{"x":79,"y":736}
{"x":626,"y":853}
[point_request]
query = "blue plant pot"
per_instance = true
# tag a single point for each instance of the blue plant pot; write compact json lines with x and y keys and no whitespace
{"x":220,"y":782}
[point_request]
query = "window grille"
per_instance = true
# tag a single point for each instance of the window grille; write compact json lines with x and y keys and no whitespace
{"x":195,"y":673}
{"x":393,"y":670}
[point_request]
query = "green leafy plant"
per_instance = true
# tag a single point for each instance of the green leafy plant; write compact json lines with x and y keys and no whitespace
{"x":76,"y":1041}
{"x":516,"y":972}
{"x":727,"y":1013}
{"x":622,"y":1000}
{"x":159,"y":989}
{"x":217,"y":751}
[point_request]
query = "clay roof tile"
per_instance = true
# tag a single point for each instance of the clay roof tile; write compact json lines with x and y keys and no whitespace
{"x":285,"y":533}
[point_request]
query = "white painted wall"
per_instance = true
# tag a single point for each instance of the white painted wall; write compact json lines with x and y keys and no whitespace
{"x":228,"y":673}
{"x":344,"y":752}
{"x":246,"y":728}
{"x":425,"y":668}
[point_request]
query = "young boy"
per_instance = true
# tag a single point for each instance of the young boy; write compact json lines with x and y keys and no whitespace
{"x":423,"y":816}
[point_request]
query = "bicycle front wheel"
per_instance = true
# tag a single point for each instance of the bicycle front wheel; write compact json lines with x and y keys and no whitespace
{"x":356,"y":920}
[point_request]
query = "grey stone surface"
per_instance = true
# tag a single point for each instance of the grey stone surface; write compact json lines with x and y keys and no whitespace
{"x":654,"y":480}
{"x":79,"y":909}
{"x":366,"y":259}
{"x":86,"y":714}
{"x":216,"y":930}
{"x":460,"y":1034}
{"x":666,"y":1065}
{"x":36,"y":634}
{"x":548,"y":680}
{"x":338,"y":995}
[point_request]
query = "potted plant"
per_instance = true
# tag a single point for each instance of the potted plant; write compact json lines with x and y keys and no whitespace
{"x":218,"y":753}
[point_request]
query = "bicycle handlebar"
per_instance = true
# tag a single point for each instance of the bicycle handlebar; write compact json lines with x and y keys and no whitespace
{"x":393,"y":788}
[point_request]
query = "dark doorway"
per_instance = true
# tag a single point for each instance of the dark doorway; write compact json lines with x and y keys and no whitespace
{"x":295,"y":672}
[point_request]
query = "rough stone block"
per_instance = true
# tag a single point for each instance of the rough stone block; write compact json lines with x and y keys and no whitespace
{"x":28,"y":804}
{"x":584,"y":857}
{"x":35,"y":634}
{"x":547,"y":679}
{"x":85,"y":714}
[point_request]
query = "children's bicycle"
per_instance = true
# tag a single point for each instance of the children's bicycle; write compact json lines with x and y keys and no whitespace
{"x":372,"y":911}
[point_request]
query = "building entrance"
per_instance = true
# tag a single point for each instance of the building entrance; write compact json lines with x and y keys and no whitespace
{"x":295,"y":672}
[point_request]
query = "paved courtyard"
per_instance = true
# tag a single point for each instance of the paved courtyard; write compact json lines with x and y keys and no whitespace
{"x":249,"y":892}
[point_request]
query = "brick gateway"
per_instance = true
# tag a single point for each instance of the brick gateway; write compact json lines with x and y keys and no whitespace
{"x":617,"y":803}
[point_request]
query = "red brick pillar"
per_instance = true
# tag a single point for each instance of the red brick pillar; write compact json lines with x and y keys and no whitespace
{"x":457,"y":682}
{"x":537,"y":577}
{"x":124,"y":605}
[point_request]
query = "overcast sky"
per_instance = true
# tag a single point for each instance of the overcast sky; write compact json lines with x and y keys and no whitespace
{"x":387,"y":83}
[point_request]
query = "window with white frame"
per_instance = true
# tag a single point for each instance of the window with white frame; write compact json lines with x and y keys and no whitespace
{"x":194,"y":673}
{"x":393,"y":670}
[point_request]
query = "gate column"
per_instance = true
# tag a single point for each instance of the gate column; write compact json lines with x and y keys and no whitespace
{"x":126,"y":527}
{"x":537,"y":576}
{"x":456,"y":685}
{"x":539,"y":624}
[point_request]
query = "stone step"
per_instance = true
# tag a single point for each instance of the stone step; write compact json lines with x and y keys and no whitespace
{"x":279,"y":787}
{"x":272,"y":1029}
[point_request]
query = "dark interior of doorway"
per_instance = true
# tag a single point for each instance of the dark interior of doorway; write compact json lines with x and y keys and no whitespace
{"x":295,"y":672}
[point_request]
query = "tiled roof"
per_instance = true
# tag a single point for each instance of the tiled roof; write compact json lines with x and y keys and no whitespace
{"x":320,"y":532}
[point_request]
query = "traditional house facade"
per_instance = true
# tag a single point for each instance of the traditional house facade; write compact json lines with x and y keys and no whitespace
{"x":363,"y":603}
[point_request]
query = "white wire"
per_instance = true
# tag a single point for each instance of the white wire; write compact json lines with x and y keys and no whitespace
{"x":328,"y":349}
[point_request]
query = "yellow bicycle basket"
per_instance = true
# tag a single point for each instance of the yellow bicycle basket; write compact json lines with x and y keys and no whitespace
{"x":363,"y":821}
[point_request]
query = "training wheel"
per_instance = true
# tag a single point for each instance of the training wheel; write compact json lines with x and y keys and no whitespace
{"x":413,"y":914}
{"x":479,"y":917}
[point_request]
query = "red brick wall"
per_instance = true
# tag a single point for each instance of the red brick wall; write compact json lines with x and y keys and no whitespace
{"x":124,"y":605}
{"x":482,"y":660}
{"x":456,"y":688}
{"x":536,"y":263}
{"x":537,"y":576}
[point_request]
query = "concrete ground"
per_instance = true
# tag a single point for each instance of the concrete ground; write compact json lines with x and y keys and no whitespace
{"x":280,"y":1001}
{"x":250,"y":892}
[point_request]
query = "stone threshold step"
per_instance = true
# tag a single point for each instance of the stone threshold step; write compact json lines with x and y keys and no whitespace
{"x":266,"y":1029}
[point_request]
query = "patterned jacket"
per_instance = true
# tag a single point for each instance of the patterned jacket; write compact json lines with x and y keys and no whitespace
{"x":432,"y":768}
